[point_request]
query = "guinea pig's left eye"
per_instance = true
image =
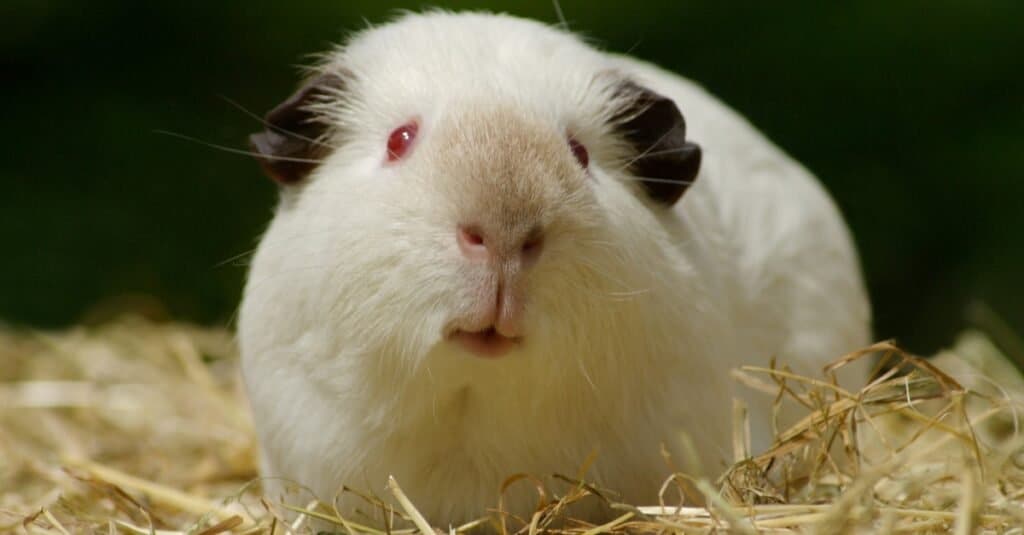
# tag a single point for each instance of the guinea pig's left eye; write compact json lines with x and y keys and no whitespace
{"x":401,"y":139}
{"x":580,"y":152}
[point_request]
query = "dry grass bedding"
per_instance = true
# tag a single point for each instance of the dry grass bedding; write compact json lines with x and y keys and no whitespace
{"x":137,"y":427}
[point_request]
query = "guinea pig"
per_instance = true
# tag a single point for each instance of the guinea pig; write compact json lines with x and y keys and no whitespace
{"x":499,"y":250}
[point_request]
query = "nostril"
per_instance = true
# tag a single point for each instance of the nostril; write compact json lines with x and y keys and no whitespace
{"x":472,"y":237}
{"x":532,"y":247}
{"x":471,"y":241}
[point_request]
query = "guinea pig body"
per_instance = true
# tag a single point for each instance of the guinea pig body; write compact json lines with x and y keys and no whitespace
{"x":473,"y":273}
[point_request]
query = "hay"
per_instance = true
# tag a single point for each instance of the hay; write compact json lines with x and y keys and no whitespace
{"x":135,"y":427}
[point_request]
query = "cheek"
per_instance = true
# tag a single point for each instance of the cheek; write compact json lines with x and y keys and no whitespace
{"x":402,"y":268}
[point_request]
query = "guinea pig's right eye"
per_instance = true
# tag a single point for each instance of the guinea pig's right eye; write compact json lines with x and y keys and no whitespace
{"x":401,"y":140}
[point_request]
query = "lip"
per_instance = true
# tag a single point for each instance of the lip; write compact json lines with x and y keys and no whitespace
{"x":488,"y":343}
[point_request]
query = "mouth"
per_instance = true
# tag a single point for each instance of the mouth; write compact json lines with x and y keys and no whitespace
{"x":488,"y":343}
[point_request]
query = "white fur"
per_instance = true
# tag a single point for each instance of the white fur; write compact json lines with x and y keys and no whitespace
{"x":635,"y":313}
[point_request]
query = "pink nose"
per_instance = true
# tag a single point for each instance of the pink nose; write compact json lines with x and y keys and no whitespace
{"x":479,"y":246}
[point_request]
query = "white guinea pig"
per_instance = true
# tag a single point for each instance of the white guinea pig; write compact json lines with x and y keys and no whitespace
{"x":498,"y":250}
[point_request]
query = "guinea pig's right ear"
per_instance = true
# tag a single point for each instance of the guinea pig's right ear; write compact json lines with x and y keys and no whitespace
{"x":665,"y":162}
{"x":292,"y":144}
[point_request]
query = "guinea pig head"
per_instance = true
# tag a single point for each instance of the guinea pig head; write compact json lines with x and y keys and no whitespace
{"x":477,"y":229}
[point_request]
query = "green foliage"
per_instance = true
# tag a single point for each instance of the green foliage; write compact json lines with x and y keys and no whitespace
{"x":910,"y":112}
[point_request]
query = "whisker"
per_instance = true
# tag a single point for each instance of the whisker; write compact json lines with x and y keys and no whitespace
{"x":604,"y":296}
{"x":562,"y":23}
{"x":631,"y":293}
{"x":659,"y":180}
{"x":233,"y":150}
{"x":599,"y":271}
{"x":274,"y":127}
{"x":662,"y":152}
{"x":227,"y":261}
{"x":646,"y":152}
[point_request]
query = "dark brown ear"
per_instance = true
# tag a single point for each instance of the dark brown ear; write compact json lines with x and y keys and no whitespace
{"x":291,"y":145}
{"x":665,"y":163}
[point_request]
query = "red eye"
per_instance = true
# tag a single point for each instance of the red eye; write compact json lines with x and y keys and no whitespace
{"x":401,"y":139}
{"x":580,"y":152}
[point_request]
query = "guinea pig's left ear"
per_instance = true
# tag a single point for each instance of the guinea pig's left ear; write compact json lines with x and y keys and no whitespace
{"x":291,"y":145}
{"x":665,"y":163}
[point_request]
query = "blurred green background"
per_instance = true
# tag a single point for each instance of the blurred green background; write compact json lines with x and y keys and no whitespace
{"x":912,"y":114}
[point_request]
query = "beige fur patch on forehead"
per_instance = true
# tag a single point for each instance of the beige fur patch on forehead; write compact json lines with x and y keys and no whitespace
{"x":498,"y":161}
